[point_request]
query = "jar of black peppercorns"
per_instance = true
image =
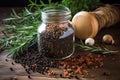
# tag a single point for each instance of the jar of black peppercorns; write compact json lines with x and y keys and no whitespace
{"x":56,"y":34}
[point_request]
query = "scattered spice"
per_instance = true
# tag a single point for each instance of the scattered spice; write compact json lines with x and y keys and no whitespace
{"x":51,"y":73}
{"x":29,"y":77}
{"x":76,"y":77}
{"x":11,"y":69}
{"x":12,"y":63}
{"x":6,"y":60}
{"x":72,"y":67}
{"x":79,"y":65}
{"x":106,"y":73}
{"x":28,"y":72}
{"x":32,"y":61}
{"x":61,"y":75}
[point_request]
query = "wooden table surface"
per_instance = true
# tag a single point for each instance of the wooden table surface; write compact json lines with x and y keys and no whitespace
{"x":112,"y":63}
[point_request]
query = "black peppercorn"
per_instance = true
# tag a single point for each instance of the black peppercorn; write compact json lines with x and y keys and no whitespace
{"x":6,"y":60}
{"x":76,"y":77}
{"x":61,"y":75}
{"x":29,"y":77}
{"x":11,"y":69}
{"x":12,"y":63}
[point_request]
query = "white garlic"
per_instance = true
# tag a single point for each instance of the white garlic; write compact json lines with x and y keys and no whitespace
{"x":107,"y":38}
{"x":90,"y":41}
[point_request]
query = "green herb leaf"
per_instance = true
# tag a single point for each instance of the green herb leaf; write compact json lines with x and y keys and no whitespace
{"x":93,"y":49}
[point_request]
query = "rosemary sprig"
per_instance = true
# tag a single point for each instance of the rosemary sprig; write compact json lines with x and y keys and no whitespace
{"x":40,"y":3}
{"x":20,"y":30}
{"x":22,"y":47}
{"x":94,"y":49}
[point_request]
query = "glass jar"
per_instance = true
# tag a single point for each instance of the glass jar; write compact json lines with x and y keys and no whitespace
{"x":56,"y":34}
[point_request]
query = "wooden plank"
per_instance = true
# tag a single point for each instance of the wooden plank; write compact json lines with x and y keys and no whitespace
{"x":18,"y":71}
{"x":8,"y":77}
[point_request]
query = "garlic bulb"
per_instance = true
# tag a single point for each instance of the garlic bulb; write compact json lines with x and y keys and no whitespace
{"x":90,"y":41}
{"x":107,"y":38}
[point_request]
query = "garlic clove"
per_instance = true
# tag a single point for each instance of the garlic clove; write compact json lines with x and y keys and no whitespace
{"x":108,"y":39}
{"x":89,"y":41}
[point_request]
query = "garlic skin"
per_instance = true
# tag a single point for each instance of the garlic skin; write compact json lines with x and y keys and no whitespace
{"x":90,"y":41}
{"x":107,"y":38}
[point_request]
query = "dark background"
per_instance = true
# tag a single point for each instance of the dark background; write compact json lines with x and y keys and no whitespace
{"x":20,"y":2}
{"x":26,"y":2}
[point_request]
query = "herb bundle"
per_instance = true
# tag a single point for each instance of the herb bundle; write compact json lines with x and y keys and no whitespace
{"x":21,"y":29}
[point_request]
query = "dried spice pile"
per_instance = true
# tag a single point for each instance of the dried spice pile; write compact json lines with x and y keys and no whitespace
{"x":31,"y":60}
{"x":55,"y":36}
{"x":72,"y":67}
{"x":80,"y":65}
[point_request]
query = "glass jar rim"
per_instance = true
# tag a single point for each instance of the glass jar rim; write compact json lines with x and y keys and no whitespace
{"x":57,"y":9}
{"x":56,"y":13}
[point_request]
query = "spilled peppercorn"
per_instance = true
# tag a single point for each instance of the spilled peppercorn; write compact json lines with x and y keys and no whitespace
{"x":73,"y":67}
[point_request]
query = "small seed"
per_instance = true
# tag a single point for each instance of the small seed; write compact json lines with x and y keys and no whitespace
{"x":11,"y":69}
{"x":29,"y":77}
{"x":28,"y":72}
{"x":12,"y":63}
{"x":106,"y":73}
{"x":6,"y":60}
{"x":76,"y":77}
{"x":61,"y":75}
